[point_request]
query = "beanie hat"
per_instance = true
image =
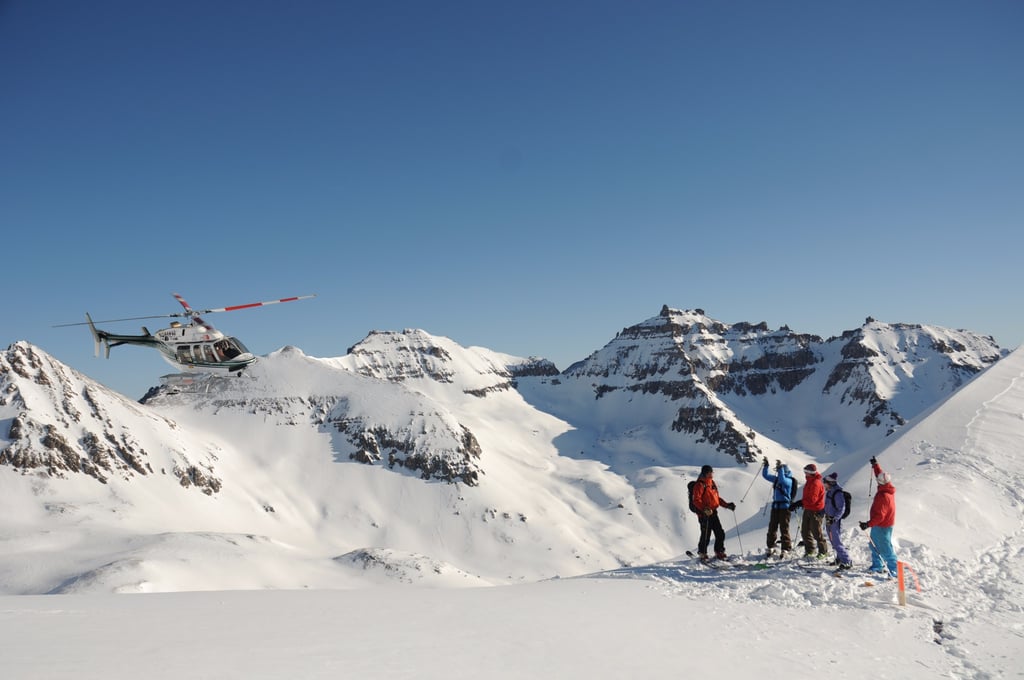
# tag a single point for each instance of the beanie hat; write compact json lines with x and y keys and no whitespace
{"x":811,"y":469}
{"x":832,"y":478}
{"x":883,"y":478}
{"x":705,"y":470}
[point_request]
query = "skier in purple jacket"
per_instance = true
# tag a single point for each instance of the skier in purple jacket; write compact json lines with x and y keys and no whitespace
{"x":835,"y":508}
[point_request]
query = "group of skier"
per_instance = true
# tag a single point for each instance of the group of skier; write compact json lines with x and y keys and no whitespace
{"x":824,"y":502}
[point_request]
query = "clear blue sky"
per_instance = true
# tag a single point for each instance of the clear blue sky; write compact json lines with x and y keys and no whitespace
{"x":527,"y":176}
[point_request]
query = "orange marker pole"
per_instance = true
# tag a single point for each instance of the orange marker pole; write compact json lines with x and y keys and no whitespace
{"x":902,"y":591}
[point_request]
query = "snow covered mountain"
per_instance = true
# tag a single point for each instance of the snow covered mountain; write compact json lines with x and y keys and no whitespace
{"x":684,"y":388}
{"x":412,"y":458}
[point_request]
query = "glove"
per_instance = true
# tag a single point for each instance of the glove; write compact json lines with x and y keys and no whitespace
{"x":730,"y":506}
{"x":708,"y":512}
{"x":874,"y":461}
{"x":864,"y":526}
{"x":765,"y":462}
{"x":795,"y":505}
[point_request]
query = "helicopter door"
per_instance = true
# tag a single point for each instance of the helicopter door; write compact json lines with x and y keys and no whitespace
{"x":184,"y":354}
{"x":208,"y":354}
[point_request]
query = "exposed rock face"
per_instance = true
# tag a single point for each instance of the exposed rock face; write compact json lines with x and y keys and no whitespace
{"x":379,"y":444}
{"x":63,"y":424}
{"x":533,"y":367}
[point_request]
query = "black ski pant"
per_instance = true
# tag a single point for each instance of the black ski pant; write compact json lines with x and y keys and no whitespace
{"x":711,"y":524}
{"x":812,"y":533}
{"x":778,"y":522}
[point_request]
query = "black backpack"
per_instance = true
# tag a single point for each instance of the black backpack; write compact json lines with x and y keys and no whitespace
{"x":689,"y":495}
{"x":792,"y":490}
{"x":849,"y":502}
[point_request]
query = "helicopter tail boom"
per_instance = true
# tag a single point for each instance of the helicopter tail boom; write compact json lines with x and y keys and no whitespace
{"x":108,"y":340}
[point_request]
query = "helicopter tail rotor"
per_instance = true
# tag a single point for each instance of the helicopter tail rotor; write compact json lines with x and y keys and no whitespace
{"x":99,"y":337}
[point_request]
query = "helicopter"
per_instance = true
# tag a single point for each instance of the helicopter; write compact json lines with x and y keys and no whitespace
{"x":194,"y":347}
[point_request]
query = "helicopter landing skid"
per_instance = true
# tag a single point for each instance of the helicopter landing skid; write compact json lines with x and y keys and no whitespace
{"x":187,"y":382}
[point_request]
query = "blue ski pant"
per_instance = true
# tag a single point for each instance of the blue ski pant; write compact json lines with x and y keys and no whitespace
{"x":882,"y":553}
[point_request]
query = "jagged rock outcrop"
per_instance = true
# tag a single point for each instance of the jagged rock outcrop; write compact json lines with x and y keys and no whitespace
{"x":458,"y":463}
{"x":63,"y":424}
{"x":533,"y":367}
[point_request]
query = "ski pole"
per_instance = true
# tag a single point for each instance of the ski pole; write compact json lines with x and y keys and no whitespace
{"x":749,"y":487}
{"x":873,"y":546}
{"x":736,"y":522}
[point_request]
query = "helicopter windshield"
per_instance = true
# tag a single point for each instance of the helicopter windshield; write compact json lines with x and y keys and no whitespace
{"x":229,"y":348}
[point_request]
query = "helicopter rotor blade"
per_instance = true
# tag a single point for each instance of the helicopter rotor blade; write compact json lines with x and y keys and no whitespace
{"x":130,"y":318}
{"x":192,"y":313}
{"x":252,"y":304}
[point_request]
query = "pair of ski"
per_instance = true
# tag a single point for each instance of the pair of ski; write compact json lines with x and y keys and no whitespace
{"x":818,"y":568}
{"x":729,"y":563}
{"x":768,"y":562}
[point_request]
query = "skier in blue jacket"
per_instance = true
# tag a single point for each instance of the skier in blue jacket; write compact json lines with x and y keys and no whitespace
{"x":782,"y":485}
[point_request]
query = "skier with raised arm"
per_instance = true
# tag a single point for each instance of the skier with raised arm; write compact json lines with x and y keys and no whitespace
{"x":782,"y":495}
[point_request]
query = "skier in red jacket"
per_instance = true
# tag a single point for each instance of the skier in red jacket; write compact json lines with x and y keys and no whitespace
{"x":813,"y":503}
{"x":881,"y":521}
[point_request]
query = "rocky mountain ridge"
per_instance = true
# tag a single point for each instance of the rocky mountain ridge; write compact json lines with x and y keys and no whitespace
{"x":721,"y":380}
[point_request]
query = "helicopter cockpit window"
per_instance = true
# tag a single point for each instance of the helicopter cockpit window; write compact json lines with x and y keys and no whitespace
{"x":225,"y":350}
{"x":234,"y":348}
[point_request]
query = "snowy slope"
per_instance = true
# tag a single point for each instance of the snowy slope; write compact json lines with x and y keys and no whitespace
{"x":959,"y":522}
{"x":416,"y":451}
{"x":292,"y":491}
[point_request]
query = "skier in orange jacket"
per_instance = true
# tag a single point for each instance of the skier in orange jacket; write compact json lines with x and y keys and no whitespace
{"x":707,"y":501}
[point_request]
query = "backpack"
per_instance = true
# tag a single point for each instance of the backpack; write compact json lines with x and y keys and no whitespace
{"x":849,"y":502}
{"x":689,"y":495}
{"x":792,"y":490}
